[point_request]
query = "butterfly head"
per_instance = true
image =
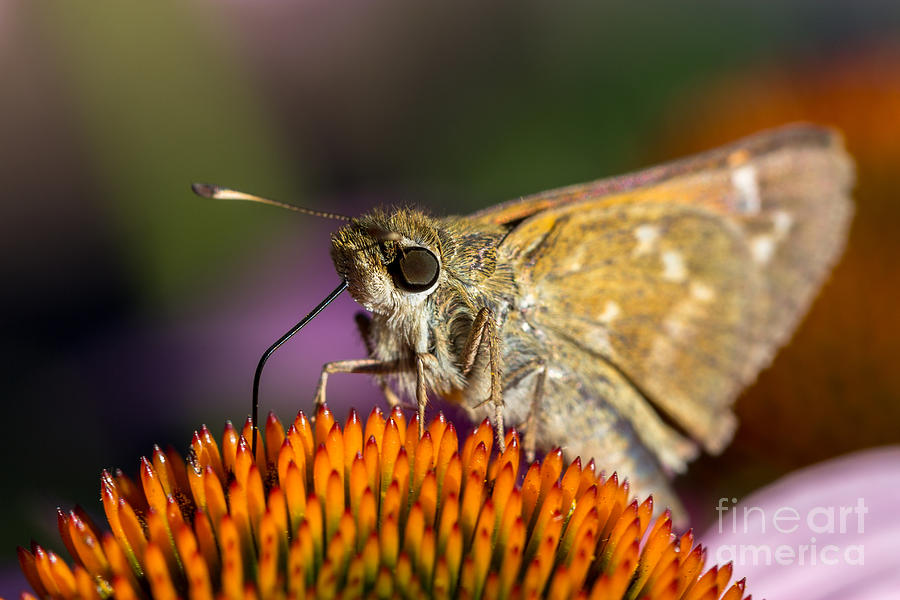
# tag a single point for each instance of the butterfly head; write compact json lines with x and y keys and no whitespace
{"x":389,"y":259}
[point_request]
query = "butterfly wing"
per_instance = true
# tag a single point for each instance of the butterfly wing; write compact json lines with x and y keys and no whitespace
{"x":683,"y":280}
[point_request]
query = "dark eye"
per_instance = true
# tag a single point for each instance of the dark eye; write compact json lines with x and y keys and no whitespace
{"x":415,"y":269}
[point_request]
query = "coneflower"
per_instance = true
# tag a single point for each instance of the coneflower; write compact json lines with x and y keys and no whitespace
{"x":370,"y":510}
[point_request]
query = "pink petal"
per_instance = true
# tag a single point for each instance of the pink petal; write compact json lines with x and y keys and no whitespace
{"x":819,"y":558}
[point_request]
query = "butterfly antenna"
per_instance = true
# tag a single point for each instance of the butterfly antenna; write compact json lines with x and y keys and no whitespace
{"x":262,"y":361}
{"x":206,"y":190}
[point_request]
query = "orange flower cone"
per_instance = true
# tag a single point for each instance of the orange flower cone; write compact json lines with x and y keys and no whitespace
{"x":370,"y":510}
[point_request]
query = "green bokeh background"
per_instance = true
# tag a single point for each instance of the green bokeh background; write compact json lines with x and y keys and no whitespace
{"x":110,"y":109}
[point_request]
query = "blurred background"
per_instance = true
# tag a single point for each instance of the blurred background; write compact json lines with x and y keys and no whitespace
{"x":133,"y":311}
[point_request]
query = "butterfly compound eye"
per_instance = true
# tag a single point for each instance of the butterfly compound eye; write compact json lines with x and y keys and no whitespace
{"x":416,"y":269}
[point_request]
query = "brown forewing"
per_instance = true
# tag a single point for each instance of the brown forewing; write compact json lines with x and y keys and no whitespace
{"x":684,"y":278}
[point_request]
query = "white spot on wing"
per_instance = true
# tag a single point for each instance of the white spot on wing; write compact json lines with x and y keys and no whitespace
{"x":610,"y":312}
{"x":762,"y":247}
{"x":783,"y":221}
{"x":646,"y":236}
{"x":702,"y":292}
{"x":673,"y":266}
{"x":674,"y":326}
{"x":600,"y":343}
{"x":744,"y":180}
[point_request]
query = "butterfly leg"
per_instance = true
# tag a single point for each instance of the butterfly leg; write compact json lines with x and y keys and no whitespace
{"x":366,"y":365}
{"x":484,"y":331}
{"x":496,"y":397}
{"x":364,"y":325}
{"x":421,"y":392}
{"x":533,"y":411}
{"x":530,"y":425}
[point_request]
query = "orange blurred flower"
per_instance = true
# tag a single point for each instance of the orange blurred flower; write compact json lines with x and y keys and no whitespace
{"x":370,"y":510}
{"x":842,"y":359}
